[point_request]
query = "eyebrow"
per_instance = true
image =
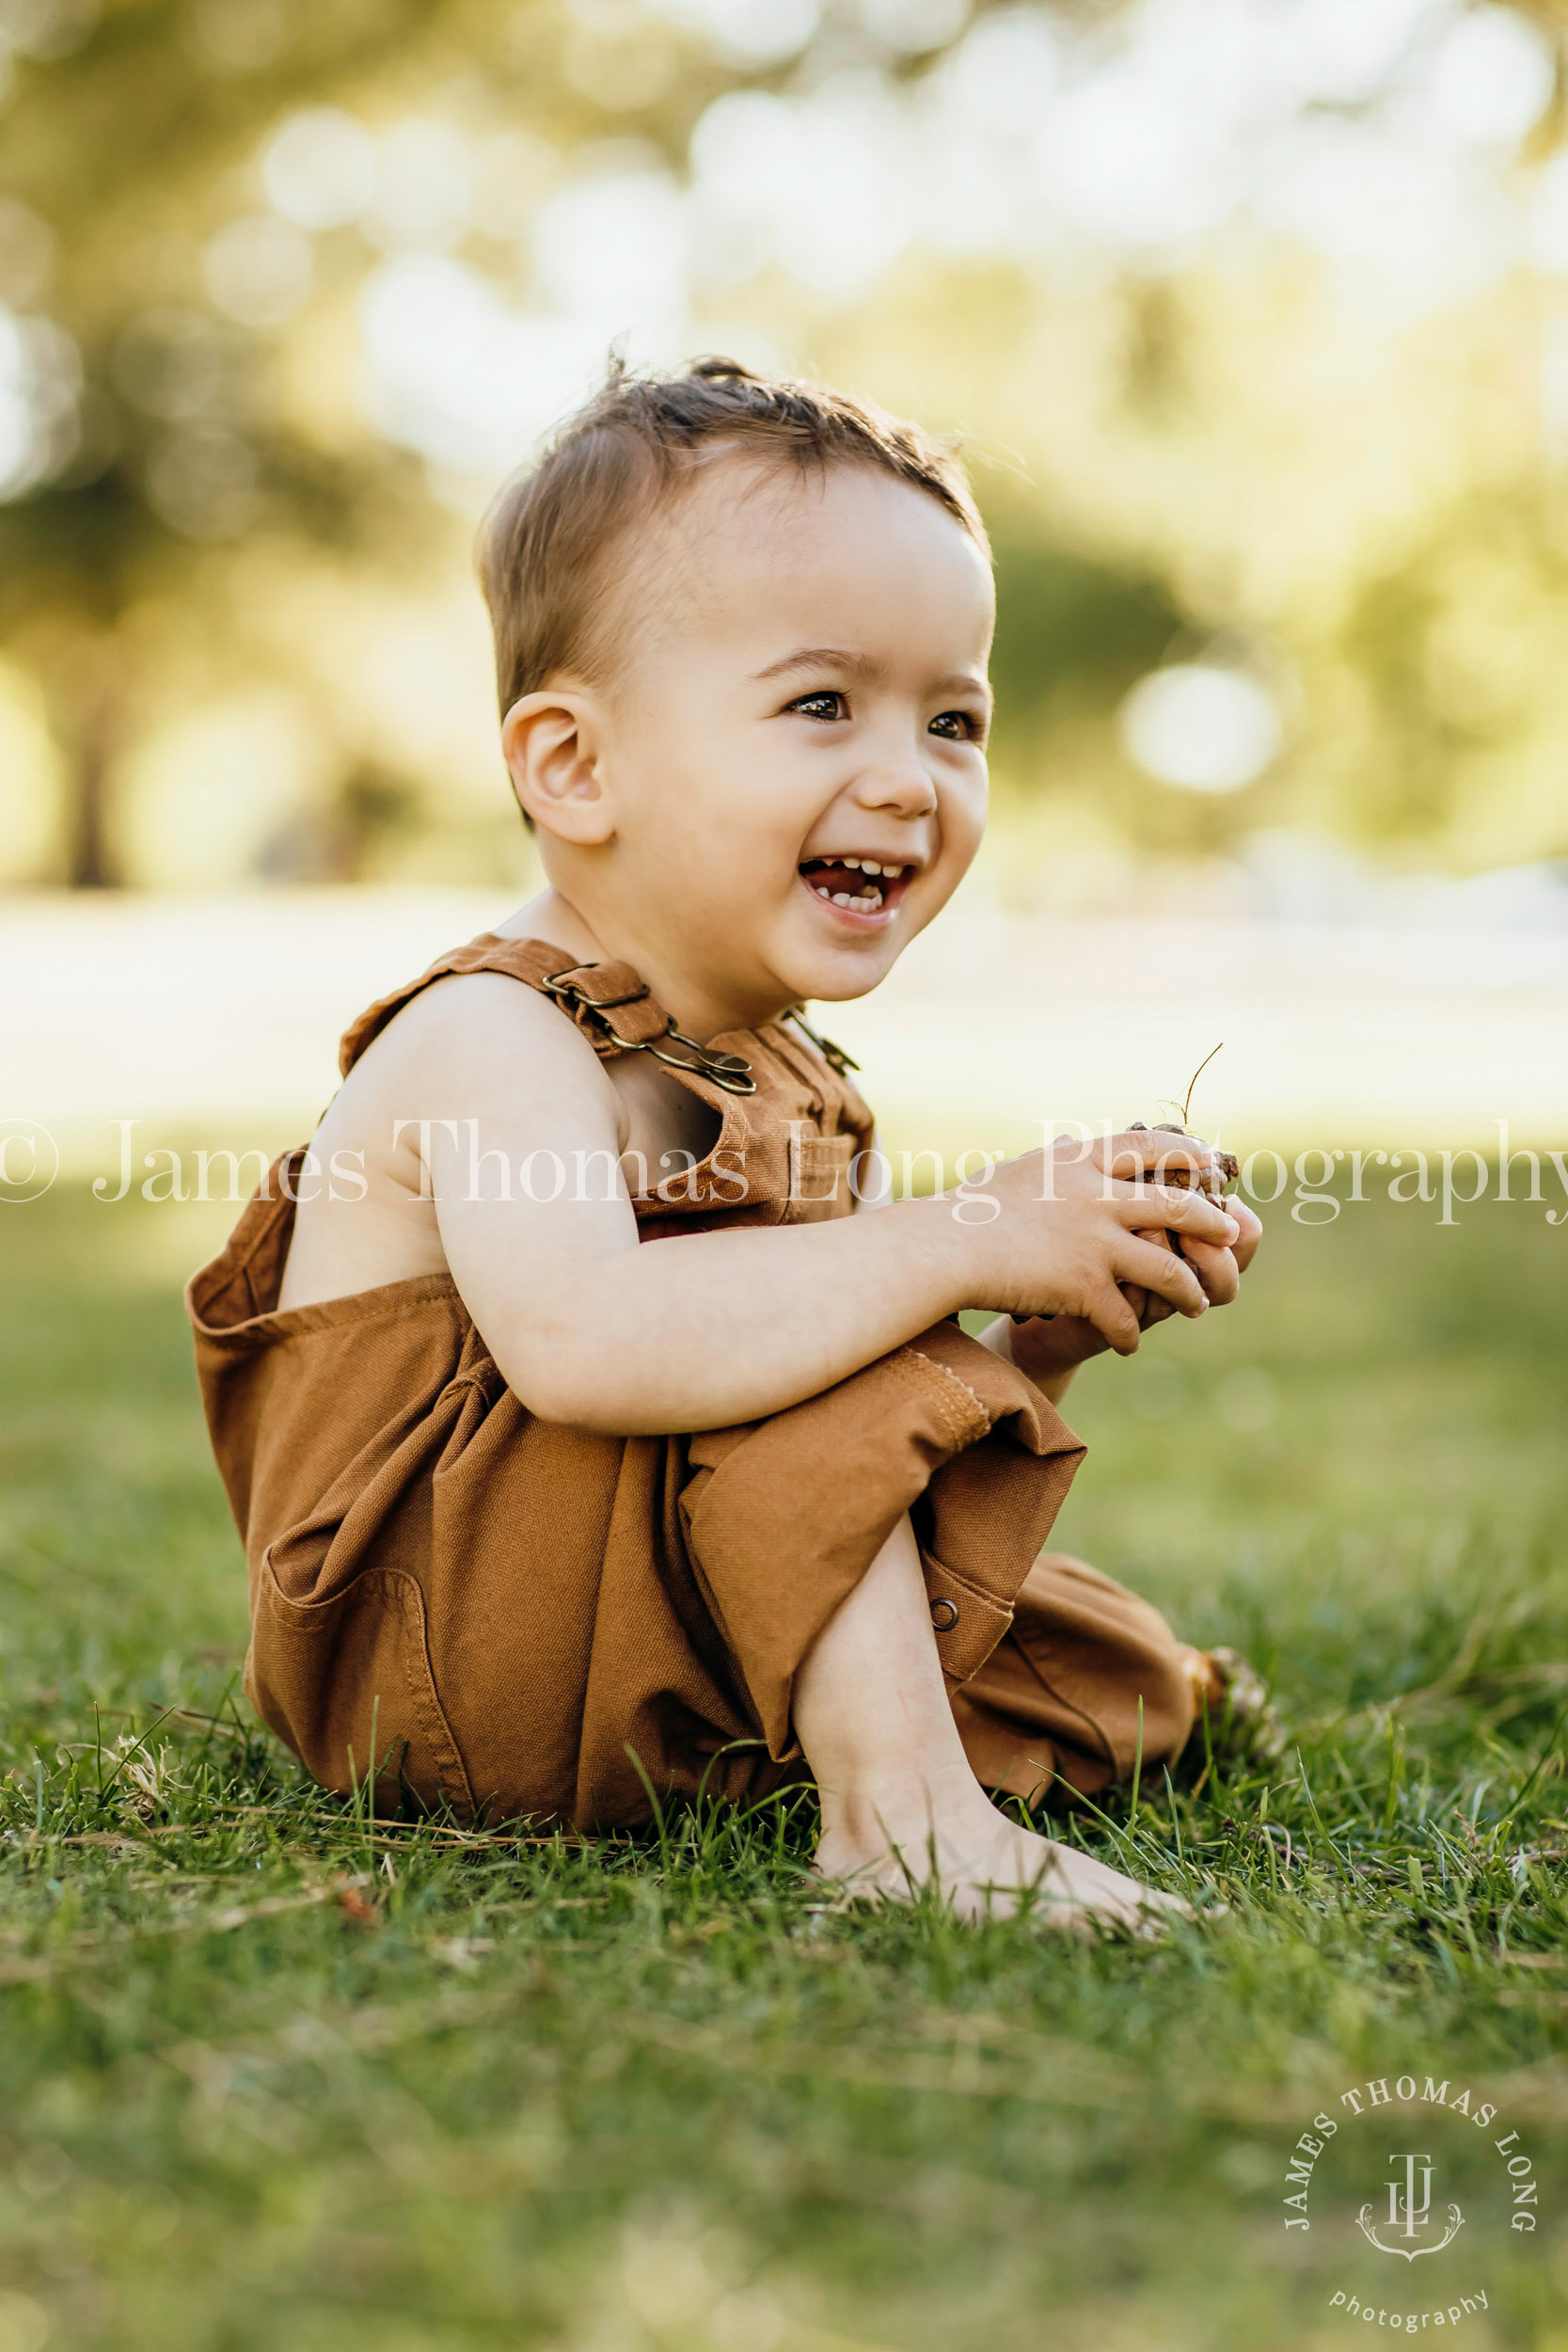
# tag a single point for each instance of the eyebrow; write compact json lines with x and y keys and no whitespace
{"x":806,"y":657}
{"x":822,"y":658}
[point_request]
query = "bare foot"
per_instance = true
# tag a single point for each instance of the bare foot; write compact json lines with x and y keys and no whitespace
{"x":987,"y":1866}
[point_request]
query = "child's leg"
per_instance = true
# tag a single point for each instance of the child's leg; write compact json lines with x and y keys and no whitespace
{"x":872,"y":1713}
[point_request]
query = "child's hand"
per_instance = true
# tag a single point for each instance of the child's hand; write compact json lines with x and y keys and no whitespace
{"x":1047,"y":1349}
{"x":1220,"y":1271}
{"x":1080,"y":1237}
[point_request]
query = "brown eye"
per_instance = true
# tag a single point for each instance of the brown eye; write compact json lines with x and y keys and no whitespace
{"x":958,"y":726}
{"x":826,"y":705}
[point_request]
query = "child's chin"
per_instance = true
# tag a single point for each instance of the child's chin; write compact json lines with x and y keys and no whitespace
{"x":858,"y":966}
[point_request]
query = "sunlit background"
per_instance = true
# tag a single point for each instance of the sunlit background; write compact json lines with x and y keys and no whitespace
{"x":1252,"y":314}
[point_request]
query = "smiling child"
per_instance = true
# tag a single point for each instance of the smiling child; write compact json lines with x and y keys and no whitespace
{"x":598,"y":1431}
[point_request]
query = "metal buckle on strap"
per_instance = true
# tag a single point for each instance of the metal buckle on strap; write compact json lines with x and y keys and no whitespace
{"x":607,"y":1003}
{"x":556,"y":984}
{"x":730,"y":1071}
{"x":834,"y":1056}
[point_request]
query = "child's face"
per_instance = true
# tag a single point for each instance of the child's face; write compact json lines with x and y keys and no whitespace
{"x":807,"y":703}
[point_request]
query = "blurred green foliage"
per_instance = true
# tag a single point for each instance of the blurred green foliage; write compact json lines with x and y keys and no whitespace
{"x":1459,"y":651}
{"x":1227,"y":452}
{"x":1068,"y":629}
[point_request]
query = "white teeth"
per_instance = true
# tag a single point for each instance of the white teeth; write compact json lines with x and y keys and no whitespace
{"x":868,"y":902}
{"x":873,"y":868}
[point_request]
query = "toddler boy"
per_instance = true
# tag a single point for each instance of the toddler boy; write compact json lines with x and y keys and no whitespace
{"x":592,"y":1441}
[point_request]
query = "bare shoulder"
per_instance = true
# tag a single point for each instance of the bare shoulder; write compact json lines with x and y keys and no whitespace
{"x":469,"y":1023}
{"x":475,"y":1046}
{"x":475,"y":1061}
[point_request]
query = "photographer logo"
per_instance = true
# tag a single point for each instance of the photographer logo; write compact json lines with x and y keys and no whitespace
{"x":1408,"y":2140}
{"x":1410,"y":2209}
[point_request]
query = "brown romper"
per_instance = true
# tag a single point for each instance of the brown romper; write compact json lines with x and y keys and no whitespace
{"x":520,"y":1618}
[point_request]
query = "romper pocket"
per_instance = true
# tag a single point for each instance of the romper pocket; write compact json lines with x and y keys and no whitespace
{"x":818,"y":1178}
{"x":346,"y":1681}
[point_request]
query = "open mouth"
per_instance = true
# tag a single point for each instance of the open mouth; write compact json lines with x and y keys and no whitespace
{"x":858,"y":885}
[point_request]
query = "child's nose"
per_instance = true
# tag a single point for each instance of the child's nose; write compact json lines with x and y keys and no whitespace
{"x":900,"y":781}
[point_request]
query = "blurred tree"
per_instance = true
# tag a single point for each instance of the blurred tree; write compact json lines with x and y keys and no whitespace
{"x":163,"y":316}
{"x":372,"y":810}
{"x":1069,"y":626}
{"x":152,"y":386}
{"x":1459,"y":713}
{"x":158,"y":436}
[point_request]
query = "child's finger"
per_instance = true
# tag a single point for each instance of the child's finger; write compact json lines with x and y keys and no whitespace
{"x":1185,"y":1212}
{"x":1114,"y":1319}
{"x":1245,"y":1248}
{"x":1141,"y":1147}
{"x":1150,"y":1310}
{"x":1217,"y":1269}
{"x":1159,"y":1269}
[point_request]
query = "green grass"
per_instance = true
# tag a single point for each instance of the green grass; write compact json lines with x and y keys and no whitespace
{"x":651,"y":2094}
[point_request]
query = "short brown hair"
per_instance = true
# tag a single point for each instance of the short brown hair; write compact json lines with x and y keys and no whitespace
{"x":543,"y":544}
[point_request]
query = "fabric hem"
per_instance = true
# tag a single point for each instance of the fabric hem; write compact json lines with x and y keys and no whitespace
{"x":964,"y":1416}
{"x":385,"y":1303}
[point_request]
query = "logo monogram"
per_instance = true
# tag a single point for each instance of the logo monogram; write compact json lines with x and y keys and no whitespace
{"x":1409,"y":2215}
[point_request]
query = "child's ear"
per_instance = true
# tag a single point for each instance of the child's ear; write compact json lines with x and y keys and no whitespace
{"x":551,"y":743}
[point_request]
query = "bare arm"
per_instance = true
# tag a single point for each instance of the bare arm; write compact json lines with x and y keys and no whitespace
{"x":592,"y":1327}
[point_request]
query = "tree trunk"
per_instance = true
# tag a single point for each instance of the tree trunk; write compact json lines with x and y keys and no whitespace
{"x":92,"y":737}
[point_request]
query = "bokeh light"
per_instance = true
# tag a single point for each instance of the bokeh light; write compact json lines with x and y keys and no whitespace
{"x":423,"y":189}
{"x":1494,"y":77}
{"x":1205,"y":728}
{"x":754,"y":32}
{"x":319,"y":169}
{"x":41,"y":379}
{"x":258,"y":269}
{"x":203,"y":481}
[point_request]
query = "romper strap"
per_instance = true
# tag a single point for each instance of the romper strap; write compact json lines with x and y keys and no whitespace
{"x":611,"y":1004}
{"x":610,"y":997}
